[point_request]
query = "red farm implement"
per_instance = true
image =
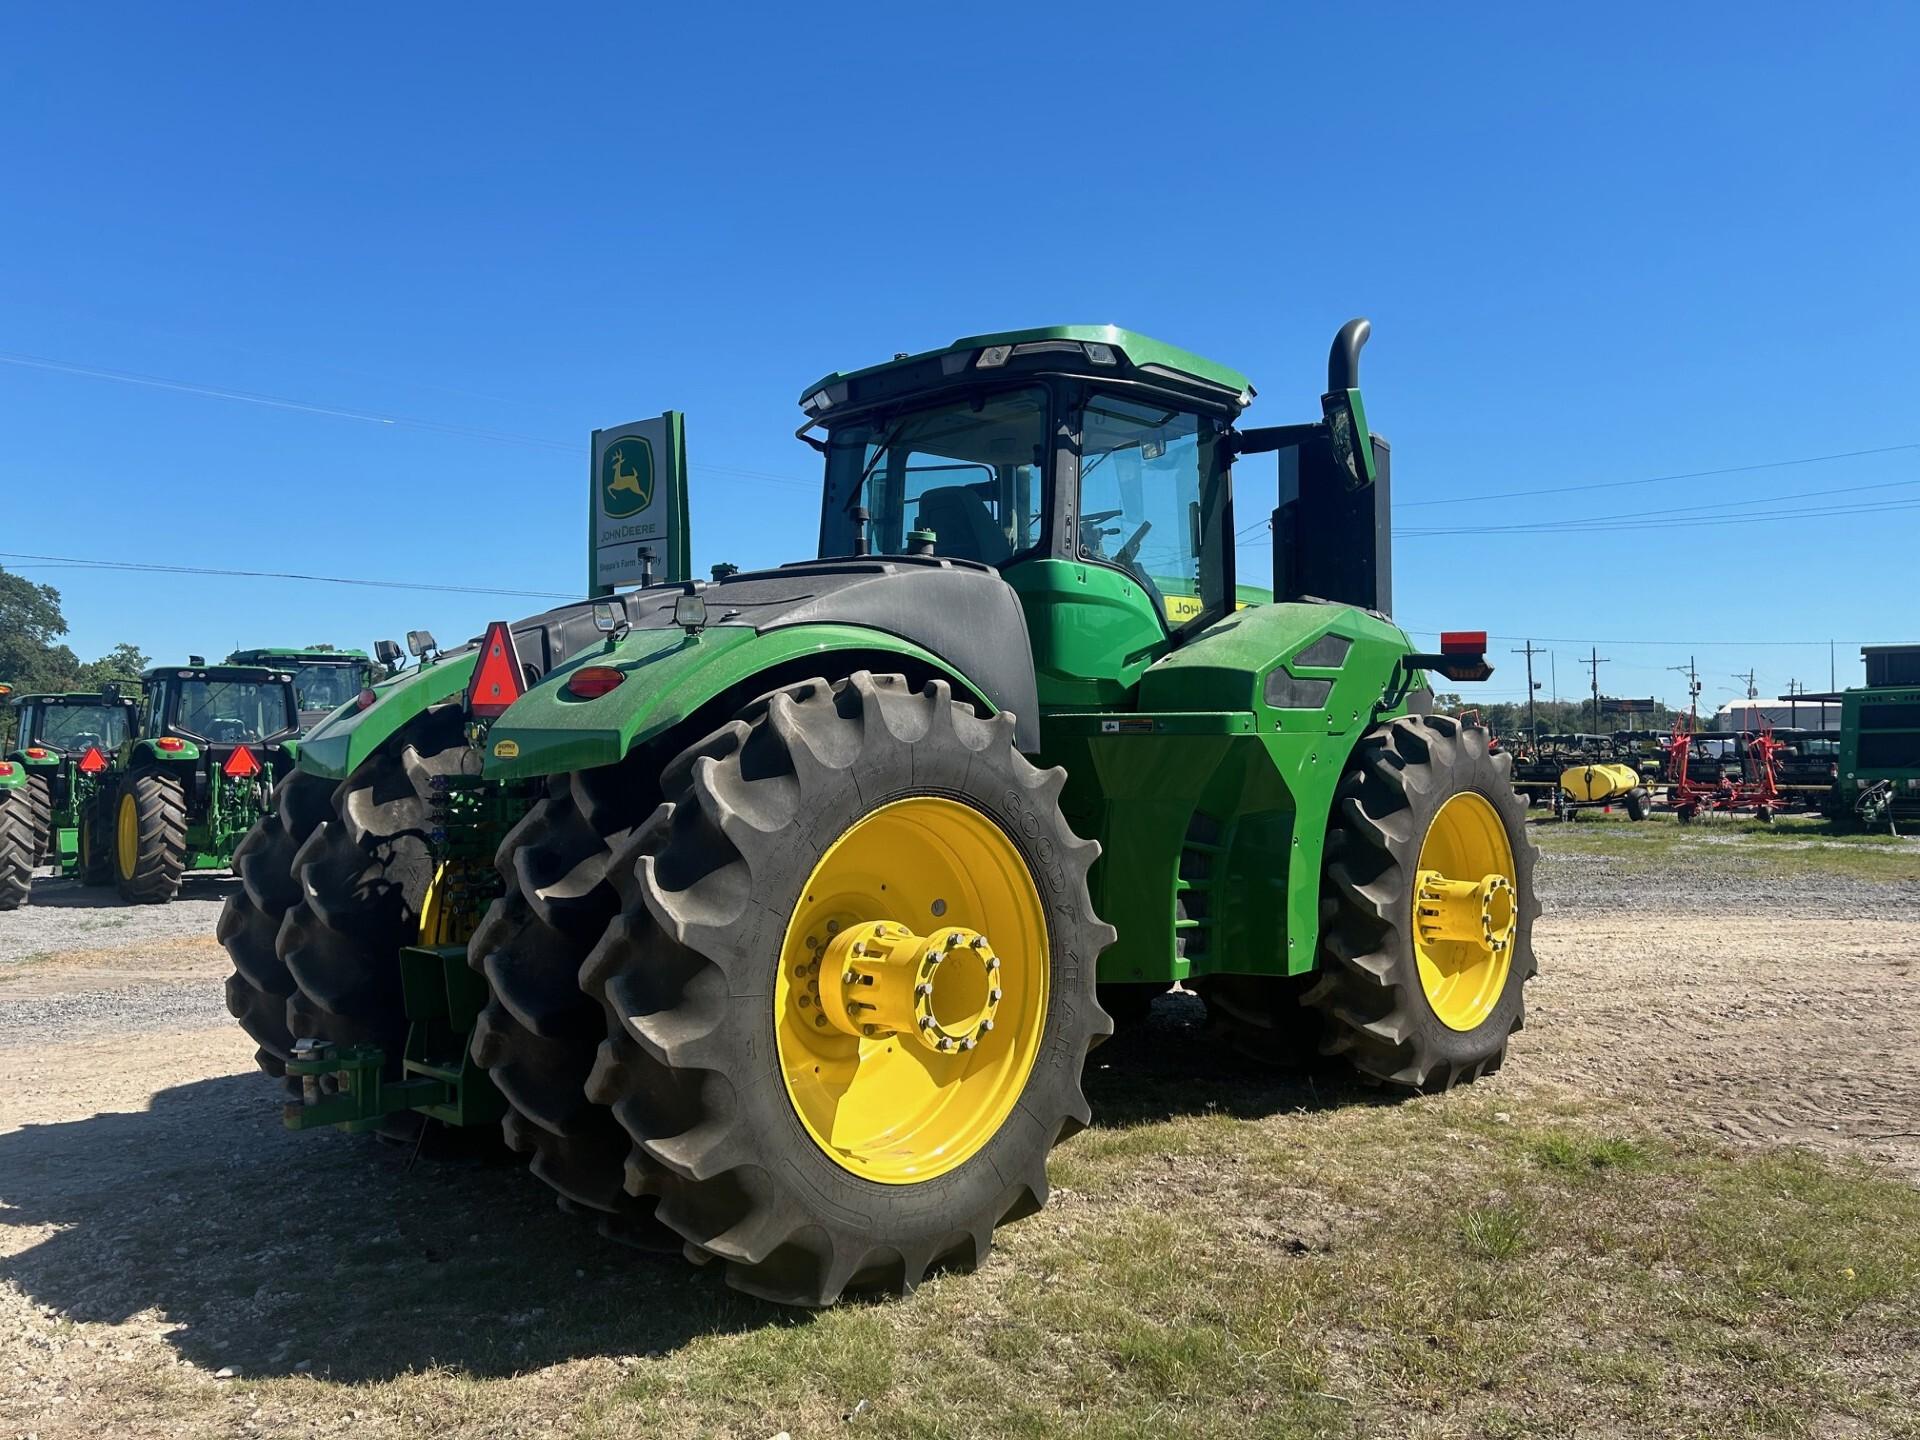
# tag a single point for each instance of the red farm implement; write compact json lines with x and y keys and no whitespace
{"x":1757,"y":790}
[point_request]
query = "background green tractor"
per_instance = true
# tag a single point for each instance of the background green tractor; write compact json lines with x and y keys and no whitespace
{"x":62,"y":746}
{"x":323,"y":680}
{"x":772,"y":917}
{"x":195,"y":776}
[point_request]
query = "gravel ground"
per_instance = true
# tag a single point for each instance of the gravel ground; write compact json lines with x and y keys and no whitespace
{"x":64,"y":916}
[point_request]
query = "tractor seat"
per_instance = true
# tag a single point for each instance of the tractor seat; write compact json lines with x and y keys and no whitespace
{"x":963,"y":526}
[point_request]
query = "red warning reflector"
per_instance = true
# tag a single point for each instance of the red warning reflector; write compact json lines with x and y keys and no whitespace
{"x":93,"y":762}
{"x":34,"y":752}
{"x":6,"y":767}
{"x":169,"y":744}
{"x":366,"y":699}
{"x":1463,"y":642}
{"x":241,"y":764}
{"x":497,"y":680}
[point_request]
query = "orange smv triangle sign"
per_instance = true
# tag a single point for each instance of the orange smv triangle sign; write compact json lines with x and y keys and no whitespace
{"x":497,"y":680}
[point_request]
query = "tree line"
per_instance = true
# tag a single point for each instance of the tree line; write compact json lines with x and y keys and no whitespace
{"x":33,"y":657}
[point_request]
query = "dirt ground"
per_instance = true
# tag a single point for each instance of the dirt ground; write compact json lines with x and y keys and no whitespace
{"x":138,"y":1145}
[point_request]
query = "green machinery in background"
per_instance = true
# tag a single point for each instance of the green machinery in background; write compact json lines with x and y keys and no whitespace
{"x":773,"y":919}
{"x":1878,"y":769}
{"x":324,"y":680}
{"x":63,"y":745}
{"x":189,"y":781}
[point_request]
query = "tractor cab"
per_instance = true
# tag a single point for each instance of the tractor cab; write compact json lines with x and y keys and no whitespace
{"x":220,"y":708}
{"x":66,"y":738}
{"x":1092,"y":467}
{"x":323,"y":680}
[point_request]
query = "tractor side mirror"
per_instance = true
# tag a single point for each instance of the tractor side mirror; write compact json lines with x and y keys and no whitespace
{"x":110,"y":692}
{"x":388,"y":653}
{"x":419,"y":643}
{"x":1347,"y":431}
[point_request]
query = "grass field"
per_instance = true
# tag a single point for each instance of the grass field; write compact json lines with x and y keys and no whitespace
{"x":1262,"y":1266}
{"x":1792,"y":845}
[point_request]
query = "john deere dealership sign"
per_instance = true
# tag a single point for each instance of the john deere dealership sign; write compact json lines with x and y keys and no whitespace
{"x":639,"y":504}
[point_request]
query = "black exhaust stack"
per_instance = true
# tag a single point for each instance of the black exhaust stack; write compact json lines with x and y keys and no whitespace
{"x":1332,"y":530}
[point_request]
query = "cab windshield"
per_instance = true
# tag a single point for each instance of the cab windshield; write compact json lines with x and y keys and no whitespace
{"x":72,"y":728}
{"x":322,"y":686}
{"x":231,"y":710}
{"x":970,"y":472}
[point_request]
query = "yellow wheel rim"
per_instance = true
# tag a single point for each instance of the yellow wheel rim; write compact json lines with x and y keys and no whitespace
{"x":912,"y":992}
{"x":127,"y":836}
{"x":1466,"y":911}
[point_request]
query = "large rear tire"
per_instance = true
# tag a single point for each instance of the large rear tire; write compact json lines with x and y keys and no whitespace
{"x":540,"y":1031}
{"x":16,"y":848}
{"x":40,"y":803}
{"x":149,"y":837}
{"x":1427,"y":894}
{"x":809,"y":1157}
{"x":261,"y":985}
{"x":363,"y":873}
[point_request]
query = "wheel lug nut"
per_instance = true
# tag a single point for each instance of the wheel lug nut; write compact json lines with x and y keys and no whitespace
{"x":926,"y":1022}
{"x":993,"y":962}
{"x":979,"y":942}
{"x":857,"y":948}
{"x":945,"y":1043}
{"x":966,"y":1044}
{"x":985,"y":1026}
{"x":923,"y":988}
{"x":993,"y":995}
{"x":849,"y":978}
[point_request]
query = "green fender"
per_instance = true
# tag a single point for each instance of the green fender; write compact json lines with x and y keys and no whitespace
{"x":346,"y":737}
{"x":48,"y":761}
{"x":671,"y":676}
{"x":148,"y":751}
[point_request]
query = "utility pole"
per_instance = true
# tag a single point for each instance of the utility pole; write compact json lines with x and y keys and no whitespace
{"x":1593,"y":663}
{"x":1693,"y":692}
{"x":1553,"y":670}
{"x":1752,"y":692}
{"x":1794,"y":688}
{"x":1531,"y":651}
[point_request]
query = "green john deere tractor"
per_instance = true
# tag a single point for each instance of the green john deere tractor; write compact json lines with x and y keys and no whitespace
{"x":773,"y":917}
{"x":61,"y":749}
{"x":193,"y":778}
{"x":324,"y":680}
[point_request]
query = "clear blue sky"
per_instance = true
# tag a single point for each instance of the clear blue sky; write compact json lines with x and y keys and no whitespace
{"x":1596,"y":246}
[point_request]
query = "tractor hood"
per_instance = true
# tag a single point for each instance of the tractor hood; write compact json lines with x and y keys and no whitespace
{"x":926,"y":615}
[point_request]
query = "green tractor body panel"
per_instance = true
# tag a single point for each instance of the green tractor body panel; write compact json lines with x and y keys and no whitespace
{"x":1211,"y":798}
{"x":550,"y":731}
{"x":1093,"y":631}
{"x":13,"y":776}
{"x":1879,"y":760}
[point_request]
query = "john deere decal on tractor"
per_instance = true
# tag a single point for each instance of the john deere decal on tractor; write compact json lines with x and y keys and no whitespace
{"x":775,"y":917}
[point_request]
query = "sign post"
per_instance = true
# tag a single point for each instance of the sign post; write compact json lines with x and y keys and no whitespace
{"x":639,"y":503}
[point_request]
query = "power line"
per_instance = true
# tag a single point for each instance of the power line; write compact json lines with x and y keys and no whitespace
{"x":79,"y":563}
{"x":1635,"y":520}
{"x":1665,"y":479}
{"x":335,"y":412}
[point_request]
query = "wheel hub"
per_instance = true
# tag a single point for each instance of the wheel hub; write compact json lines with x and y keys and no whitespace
{"x":940,"y":990}
{"x":1479,"y":911}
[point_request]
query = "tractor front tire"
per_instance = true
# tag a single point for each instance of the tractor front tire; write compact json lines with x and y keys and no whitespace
{"x":1428,"y":906}
{"x":814,"y":1157}
{"x":149,"y":838}
{"x":16,"y":848}
{"x":249,"y":929}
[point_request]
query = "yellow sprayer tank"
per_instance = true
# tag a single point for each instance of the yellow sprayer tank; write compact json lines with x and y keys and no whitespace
{"x":1594,"y":784}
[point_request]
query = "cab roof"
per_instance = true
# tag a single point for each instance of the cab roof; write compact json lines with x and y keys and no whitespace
{"x":274,"y":652}
{"x":224,"y":672}
{"x":1141,"y":352}
{"x":69,"y":697}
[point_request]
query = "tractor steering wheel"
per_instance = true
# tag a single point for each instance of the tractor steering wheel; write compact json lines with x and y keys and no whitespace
{"x":1130,"y":552}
